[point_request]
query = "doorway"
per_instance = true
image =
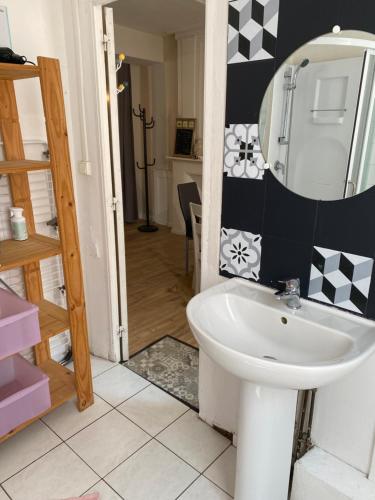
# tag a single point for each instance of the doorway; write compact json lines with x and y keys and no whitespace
{"x":160,"y":79}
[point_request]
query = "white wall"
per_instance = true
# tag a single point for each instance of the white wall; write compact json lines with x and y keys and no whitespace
{"x":42,"y":27}
{"x":153,"y":60}
{"x":138,"y":44}
{"x":218,"y":391}
{"x":190,"y":60}
{"x":344,"y":417}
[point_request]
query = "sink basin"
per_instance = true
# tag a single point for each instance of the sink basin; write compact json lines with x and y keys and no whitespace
{"x":257,"y":338}
{"x":274,"y":351}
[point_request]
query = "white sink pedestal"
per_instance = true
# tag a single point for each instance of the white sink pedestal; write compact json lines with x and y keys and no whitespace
{"x":265,"y":442}
{"x":274,"y":352}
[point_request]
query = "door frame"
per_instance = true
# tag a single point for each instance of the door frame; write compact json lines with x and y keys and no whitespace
{"x":90,"y":33}
{"x":111,"y":175}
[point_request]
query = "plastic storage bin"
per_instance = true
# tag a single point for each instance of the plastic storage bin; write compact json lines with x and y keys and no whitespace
{"x":19,"y":324}
{"x":24,"y":392}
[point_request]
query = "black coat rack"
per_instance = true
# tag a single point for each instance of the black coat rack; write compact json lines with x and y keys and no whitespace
{"x":146,"y":228}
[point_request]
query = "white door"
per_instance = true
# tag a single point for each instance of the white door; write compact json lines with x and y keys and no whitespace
{"x":112,"y":179}
{"x":324,"y":111}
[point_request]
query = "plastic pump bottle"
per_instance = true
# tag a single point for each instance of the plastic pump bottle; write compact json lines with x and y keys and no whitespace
{"x":18,"y":224}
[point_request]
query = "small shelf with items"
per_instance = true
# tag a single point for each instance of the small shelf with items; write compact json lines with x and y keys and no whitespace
{"x":15,"y":254}
{"x":10,"y":71}
{"x":61,"y":389}
{"x":62,"y":383}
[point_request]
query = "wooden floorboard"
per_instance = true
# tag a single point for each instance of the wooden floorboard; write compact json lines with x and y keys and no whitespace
{"x":158,"y":289}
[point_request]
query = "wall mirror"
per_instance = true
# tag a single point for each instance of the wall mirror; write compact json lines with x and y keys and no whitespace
{"x":317,"y":120}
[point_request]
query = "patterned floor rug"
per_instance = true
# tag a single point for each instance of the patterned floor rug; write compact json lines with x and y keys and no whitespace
{"x":172,"y":365}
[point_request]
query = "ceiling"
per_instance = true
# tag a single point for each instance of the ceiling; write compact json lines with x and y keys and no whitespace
{"x":159,"y":16}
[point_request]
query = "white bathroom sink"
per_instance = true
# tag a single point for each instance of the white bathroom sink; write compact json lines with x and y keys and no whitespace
{"x":274,"y":351}
{"x":248,"y":332}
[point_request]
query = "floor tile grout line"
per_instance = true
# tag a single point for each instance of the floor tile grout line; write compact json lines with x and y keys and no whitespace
{"x":32,"y":462}
{"x":178,"y":456}
{"x":101,"y":373}
{"x":105,"y":482}
{"x":147,"y":432}
{"x":191,"y":484}
{"x":127,"y":458}
{"x":205,"y":470}
{"x":217,"y":458}
{"x":173,"y":422}
{"x":105,"y":371}
{"x":88,"y":425}
{"x":113,"y":489}
{"x":5,"y":492}
{"x":123,"y":401}
{"x":132,"y":396}
{"x":84,"y":461}
{"x":67,"y":445}
{"x":62,"y":440}
{"x":218,"y":486}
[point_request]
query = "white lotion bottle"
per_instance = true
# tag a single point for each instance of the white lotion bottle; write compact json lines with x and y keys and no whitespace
{"x":18,"y":224}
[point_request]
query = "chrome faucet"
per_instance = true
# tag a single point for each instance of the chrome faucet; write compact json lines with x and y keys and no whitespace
{"x":290,"y":293}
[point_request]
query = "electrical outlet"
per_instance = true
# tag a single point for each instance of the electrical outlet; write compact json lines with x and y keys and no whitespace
{"x":85,"y":167}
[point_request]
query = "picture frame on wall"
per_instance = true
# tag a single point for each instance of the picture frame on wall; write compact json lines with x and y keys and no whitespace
{"x":185,"y":136}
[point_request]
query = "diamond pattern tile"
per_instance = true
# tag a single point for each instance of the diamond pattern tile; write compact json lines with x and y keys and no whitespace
{"x":252,"y":31}
{"x":340,"y":279}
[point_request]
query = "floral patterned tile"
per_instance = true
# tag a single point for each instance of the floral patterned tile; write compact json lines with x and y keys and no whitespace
{"x":242,"y":154}
{"x":240,"y":253}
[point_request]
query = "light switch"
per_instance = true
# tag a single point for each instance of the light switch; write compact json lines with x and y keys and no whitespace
{"x":85,"y":167}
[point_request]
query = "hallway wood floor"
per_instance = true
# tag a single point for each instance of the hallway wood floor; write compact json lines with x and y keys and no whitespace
{"x":157,"y":287}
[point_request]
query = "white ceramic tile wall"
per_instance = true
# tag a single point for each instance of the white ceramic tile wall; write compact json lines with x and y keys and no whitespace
{"x":129,"y":443}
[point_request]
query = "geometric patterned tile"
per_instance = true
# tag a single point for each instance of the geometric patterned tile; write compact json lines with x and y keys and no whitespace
{"x":340,"y":278}
{"x":240,"y":253}
{"x":252,"y":30}
{"x":242,"y":154}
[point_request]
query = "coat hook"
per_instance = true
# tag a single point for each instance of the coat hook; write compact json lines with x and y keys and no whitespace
{"x":121,"y":58}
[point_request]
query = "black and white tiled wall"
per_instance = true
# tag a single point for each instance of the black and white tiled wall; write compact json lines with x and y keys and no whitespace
{"x":269,"y":233}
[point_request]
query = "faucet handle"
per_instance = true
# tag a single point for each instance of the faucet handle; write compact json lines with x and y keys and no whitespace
{"x":291,"y":284}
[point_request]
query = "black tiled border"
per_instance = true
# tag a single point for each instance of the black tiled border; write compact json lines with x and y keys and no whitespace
{"x":291,"y":225}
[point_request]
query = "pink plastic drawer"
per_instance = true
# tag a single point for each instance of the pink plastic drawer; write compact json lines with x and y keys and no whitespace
{"x":24,"y":392}
{"x":19,"y":324}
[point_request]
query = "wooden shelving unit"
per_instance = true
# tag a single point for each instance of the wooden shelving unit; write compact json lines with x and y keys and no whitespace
{"x":27,"y":254}
{"x":22,"y":166}
{"x":19,"y":253}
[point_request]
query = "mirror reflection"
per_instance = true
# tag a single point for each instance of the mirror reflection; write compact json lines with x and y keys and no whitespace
{"x":317,"y":120}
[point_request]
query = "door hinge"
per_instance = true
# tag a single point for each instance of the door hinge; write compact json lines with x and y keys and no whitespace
{"x":114,"y":204}
{"x":121,"y":331}
{"x":105,"y":42}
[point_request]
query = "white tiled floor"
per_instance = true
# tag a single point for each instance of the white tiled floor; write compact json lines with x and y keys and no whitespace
{"x":135,"y":443}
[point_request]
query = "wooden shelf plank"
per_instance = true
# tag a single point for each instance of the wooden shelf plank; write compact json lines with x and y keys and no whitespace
{"x":17,"y":71}
{"x":62,"y":388}
{"x":22,"y":166}
{"x":52,"y":319}
{"x":19,"y":253}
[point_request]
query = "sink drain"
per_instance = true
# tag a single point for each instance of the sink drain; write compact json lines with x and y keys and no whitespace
{"x":270,"y":357}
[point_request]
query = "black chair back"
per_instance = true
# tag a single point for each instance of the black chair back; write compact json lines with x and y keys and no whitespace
{"x":188,"y":193}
